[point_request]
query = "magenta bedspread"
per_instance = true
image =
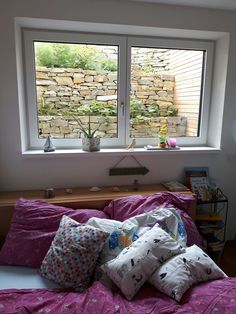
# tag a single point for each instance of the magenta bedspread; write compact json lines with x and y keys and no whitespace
{"x":218,"y":296}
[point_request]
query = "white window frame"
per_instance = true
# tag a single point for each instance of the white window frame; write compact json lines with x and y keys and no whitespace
{"x":29,"y":38}
{"x":208,"y":47}
{"x":125,"y":42}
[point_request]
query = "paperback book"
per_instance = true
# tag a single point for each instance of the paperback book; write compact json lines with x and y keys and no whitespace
{"x":197,"y":179}
{"x":175,"y":186}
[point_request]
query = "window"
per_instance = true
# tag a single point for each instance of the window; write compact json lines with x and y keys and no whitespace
{"x":129,"y":87}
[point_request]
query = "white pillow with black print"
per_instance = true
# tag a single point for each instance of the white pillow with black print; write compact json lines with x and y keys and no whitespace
{"x":182,"y":271}
{"x":134,"y":265}
{"x":122,"y":234}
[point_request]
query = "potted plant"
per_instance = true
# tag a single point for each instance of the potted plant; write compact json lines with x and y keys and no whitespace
{"x":163,"y":137}
{"x":90,"y":142}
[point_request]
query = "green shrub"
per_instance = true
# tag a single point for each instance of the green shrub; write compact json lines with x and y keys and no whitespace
{"x":138,"y":111}
{"x":153,"y":110}
{"x":93,"y":109}
{"x":136,"y":108}
{"x":109,"y":65}
{"x":171,"y":111}
{"x":85,"y":57}
{"x":139,"y":119}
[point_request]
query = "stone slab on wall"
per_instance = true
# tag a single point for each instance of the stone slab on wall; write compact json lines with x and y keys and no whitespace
{"x":67,"y":127}
{"x":65,"y":87}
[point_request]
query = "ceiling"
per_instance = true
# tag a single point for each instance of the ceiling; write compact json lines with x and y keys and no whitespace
{"x":214,"y":4}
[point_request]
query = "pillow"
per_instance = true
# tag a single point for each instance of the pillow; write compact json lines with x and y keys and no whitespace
{"x":33,"y":227}
{"x":72,"y":257}
{"x":179,"y":273}
{"x":133,"y":266}
{"x":126,"y":207}
{"x":167,"y":218}
{"x":193,"y":236}
{"x":121,"y":235}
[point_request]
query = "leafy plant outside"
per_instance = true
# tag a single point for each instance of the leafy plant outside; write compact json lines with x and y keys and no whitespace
{"x":138,"y":111}
{"x":94,"y":109}
{"x":61,"y":55}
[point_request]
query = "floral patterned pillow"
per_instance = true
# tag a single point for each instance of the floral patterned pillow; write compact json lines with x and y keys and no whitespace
{"x":133,"y":266}
{"x":71,"y":259}
{"x":180,"y":272}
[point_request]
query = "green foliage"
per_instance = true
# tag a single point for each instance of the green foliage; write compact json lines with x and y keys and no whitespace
{"x":58,"y":55}
{"x":84,"y":57}
{"x":93,"y":109}
{"x":45,"y":109}
{"x":136,"y":108}
{"x":44,"y":55}
{"x":139,"y":109}
{"x":109,"y":65}
{"x":153,"y":110}
{"x":171,"y":111}
{"x":87,"y":129}
{"x":141,"y":119}
{"x":147,"y":69}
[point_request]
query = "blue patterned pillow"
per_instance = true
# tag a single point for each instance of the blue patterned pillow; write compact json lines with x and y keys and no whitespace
{"x":71,"y":259}
{"x":122,"y":234}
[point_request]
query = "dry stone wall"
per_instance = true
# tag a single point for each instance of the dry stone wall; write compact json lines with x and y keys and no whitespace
{"x":63,"y":87}
{"x":59,"y":88}
{"x":67,"y":127}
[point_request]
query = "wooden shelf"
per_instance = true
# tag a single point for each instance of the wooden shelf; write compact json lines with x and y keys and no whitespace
{"x":79,"y":195}
{"x":80,"y":198}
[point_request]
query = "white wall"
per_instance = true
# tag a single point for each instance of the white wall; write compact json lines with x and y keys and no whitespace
{"x":18,"y":172}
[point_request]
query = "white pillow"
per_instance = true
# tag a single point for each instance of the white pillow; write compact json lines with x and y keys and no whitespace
{"x":168,"y":219}
{"x":180,"y":272}
{"x":122,"y":234}
{"x":133,"y":266}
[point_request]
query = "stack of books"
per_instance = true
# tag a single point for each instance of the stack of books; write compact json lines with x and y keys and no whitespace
{"x":212,"y":227}
{"x":208,"y":225}
{"x":213,"y":243}
{"x":208,"y":218}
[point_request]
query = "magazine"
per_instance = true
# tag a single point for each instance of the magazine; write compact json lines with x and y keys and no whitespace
{"x":175,"y":186}
{"x":197,"y":179}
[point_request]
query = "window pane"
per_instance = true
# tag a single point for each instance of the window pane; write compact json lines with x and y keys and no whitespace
{"x":166,"y":92}
{"x":75,"y":83}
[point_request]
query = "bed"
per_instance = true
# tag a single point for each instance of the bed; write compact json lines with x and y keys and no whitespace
{"x":34,"y":227}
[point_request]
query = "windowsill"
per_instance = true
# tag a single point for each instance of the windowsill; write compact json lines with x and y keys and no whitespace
{"x":119,"y":151}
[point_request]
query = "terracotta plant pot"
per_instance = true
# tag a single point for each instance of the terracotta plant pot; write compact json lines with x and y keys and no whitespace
{"x":91,"y":144}
{"x":162,"y":145}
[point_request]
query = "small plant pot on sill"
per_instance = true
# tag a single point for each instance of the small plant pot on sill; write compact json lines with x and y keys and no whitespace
{"x":91,"y":144}
{"x":163,"y":145}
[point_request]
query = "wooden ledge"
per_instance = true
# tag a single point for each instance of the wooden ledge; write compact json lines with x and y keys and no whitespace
{"x":80,"y":198}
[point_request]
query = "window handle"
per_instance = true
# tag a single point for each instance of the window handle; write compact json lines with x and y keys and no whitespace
{"x":122,"y":104}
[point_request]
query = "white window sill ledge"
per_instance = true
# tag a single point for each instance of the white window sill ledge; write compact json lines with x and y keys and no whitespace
{"x":117,"y":152}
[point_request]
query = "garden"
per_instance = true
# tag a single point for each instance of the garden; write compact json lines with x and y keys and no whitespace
{"x":80,"y":81}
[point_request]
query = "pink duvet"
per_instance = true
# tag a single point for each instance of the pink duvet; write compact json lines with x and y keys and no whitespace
{"x":217,"y":296}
